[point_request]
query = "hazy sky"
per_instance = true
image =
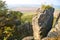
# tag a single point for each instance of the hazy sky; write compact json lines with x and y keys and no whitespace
{"x":52,"y":2}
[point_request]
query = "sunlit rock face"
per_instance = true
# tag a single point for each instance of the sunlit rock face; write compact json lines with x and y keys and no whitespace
{"x":42,"y":23}
{"x":28,"y":38}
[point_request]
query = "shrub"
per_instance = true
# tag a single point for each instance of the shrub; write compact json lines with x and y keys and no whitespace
{"x":27,"y":18}
{"x":45,"y":7}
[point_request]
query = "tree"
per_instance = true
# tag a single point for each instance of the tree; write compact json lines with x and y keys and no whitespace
{"x":14,"y":20}
{"x":3,"y":7}
{"x":3,"y":11}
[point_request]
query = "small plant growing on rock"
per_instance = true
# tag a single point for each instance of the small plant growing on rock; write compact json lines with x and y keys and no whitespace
{"x":45,"y":7}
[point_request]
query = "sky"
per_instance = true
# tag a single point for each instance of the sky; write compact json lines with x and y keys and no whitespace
{"x":33,"y":2}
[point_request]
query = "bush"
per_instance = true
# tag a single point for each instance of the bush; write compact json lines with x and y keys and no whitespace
{"x":27,"y":18}
{"x":45,"y":7}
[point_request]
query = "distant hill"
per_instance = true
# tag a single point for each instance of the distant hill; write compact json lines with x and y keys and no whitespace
{"x":21,"y":5}
{"x":27,"y":8}
{"x":24,"y":8}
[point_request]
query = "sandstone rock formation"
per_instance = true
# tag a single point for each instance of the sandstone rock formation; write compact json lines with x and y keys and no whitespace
{"x":42,"y":26}
{"x":56,"y":30}
{"x":28,"y":38}
{"x":42,"y":23}
{"x":54,"y":33}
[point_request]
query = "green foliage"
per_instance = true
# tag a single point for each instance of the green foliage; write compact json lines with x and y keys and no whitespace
{"x":9,"y":23}
{"x":3,"y":7}
{"x":27,"y":18}
{"x":45,"y":7}
{"x":17,"y":14}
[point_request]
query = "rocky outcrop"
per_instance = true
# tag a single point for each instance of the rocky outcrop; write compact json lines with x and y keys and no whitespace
{"x":55,"y":31}
{"x":28,"y":38}
{"x":42,"y":23}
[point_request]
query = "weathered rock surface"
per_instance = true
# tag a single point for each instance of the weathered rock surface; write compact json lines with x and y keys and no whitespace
{"x":54,"y":33}
{"x":42,"y":23}
{"x":56,"y":30}
{"x":28,"y":38}
{"x":42,"y":26}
